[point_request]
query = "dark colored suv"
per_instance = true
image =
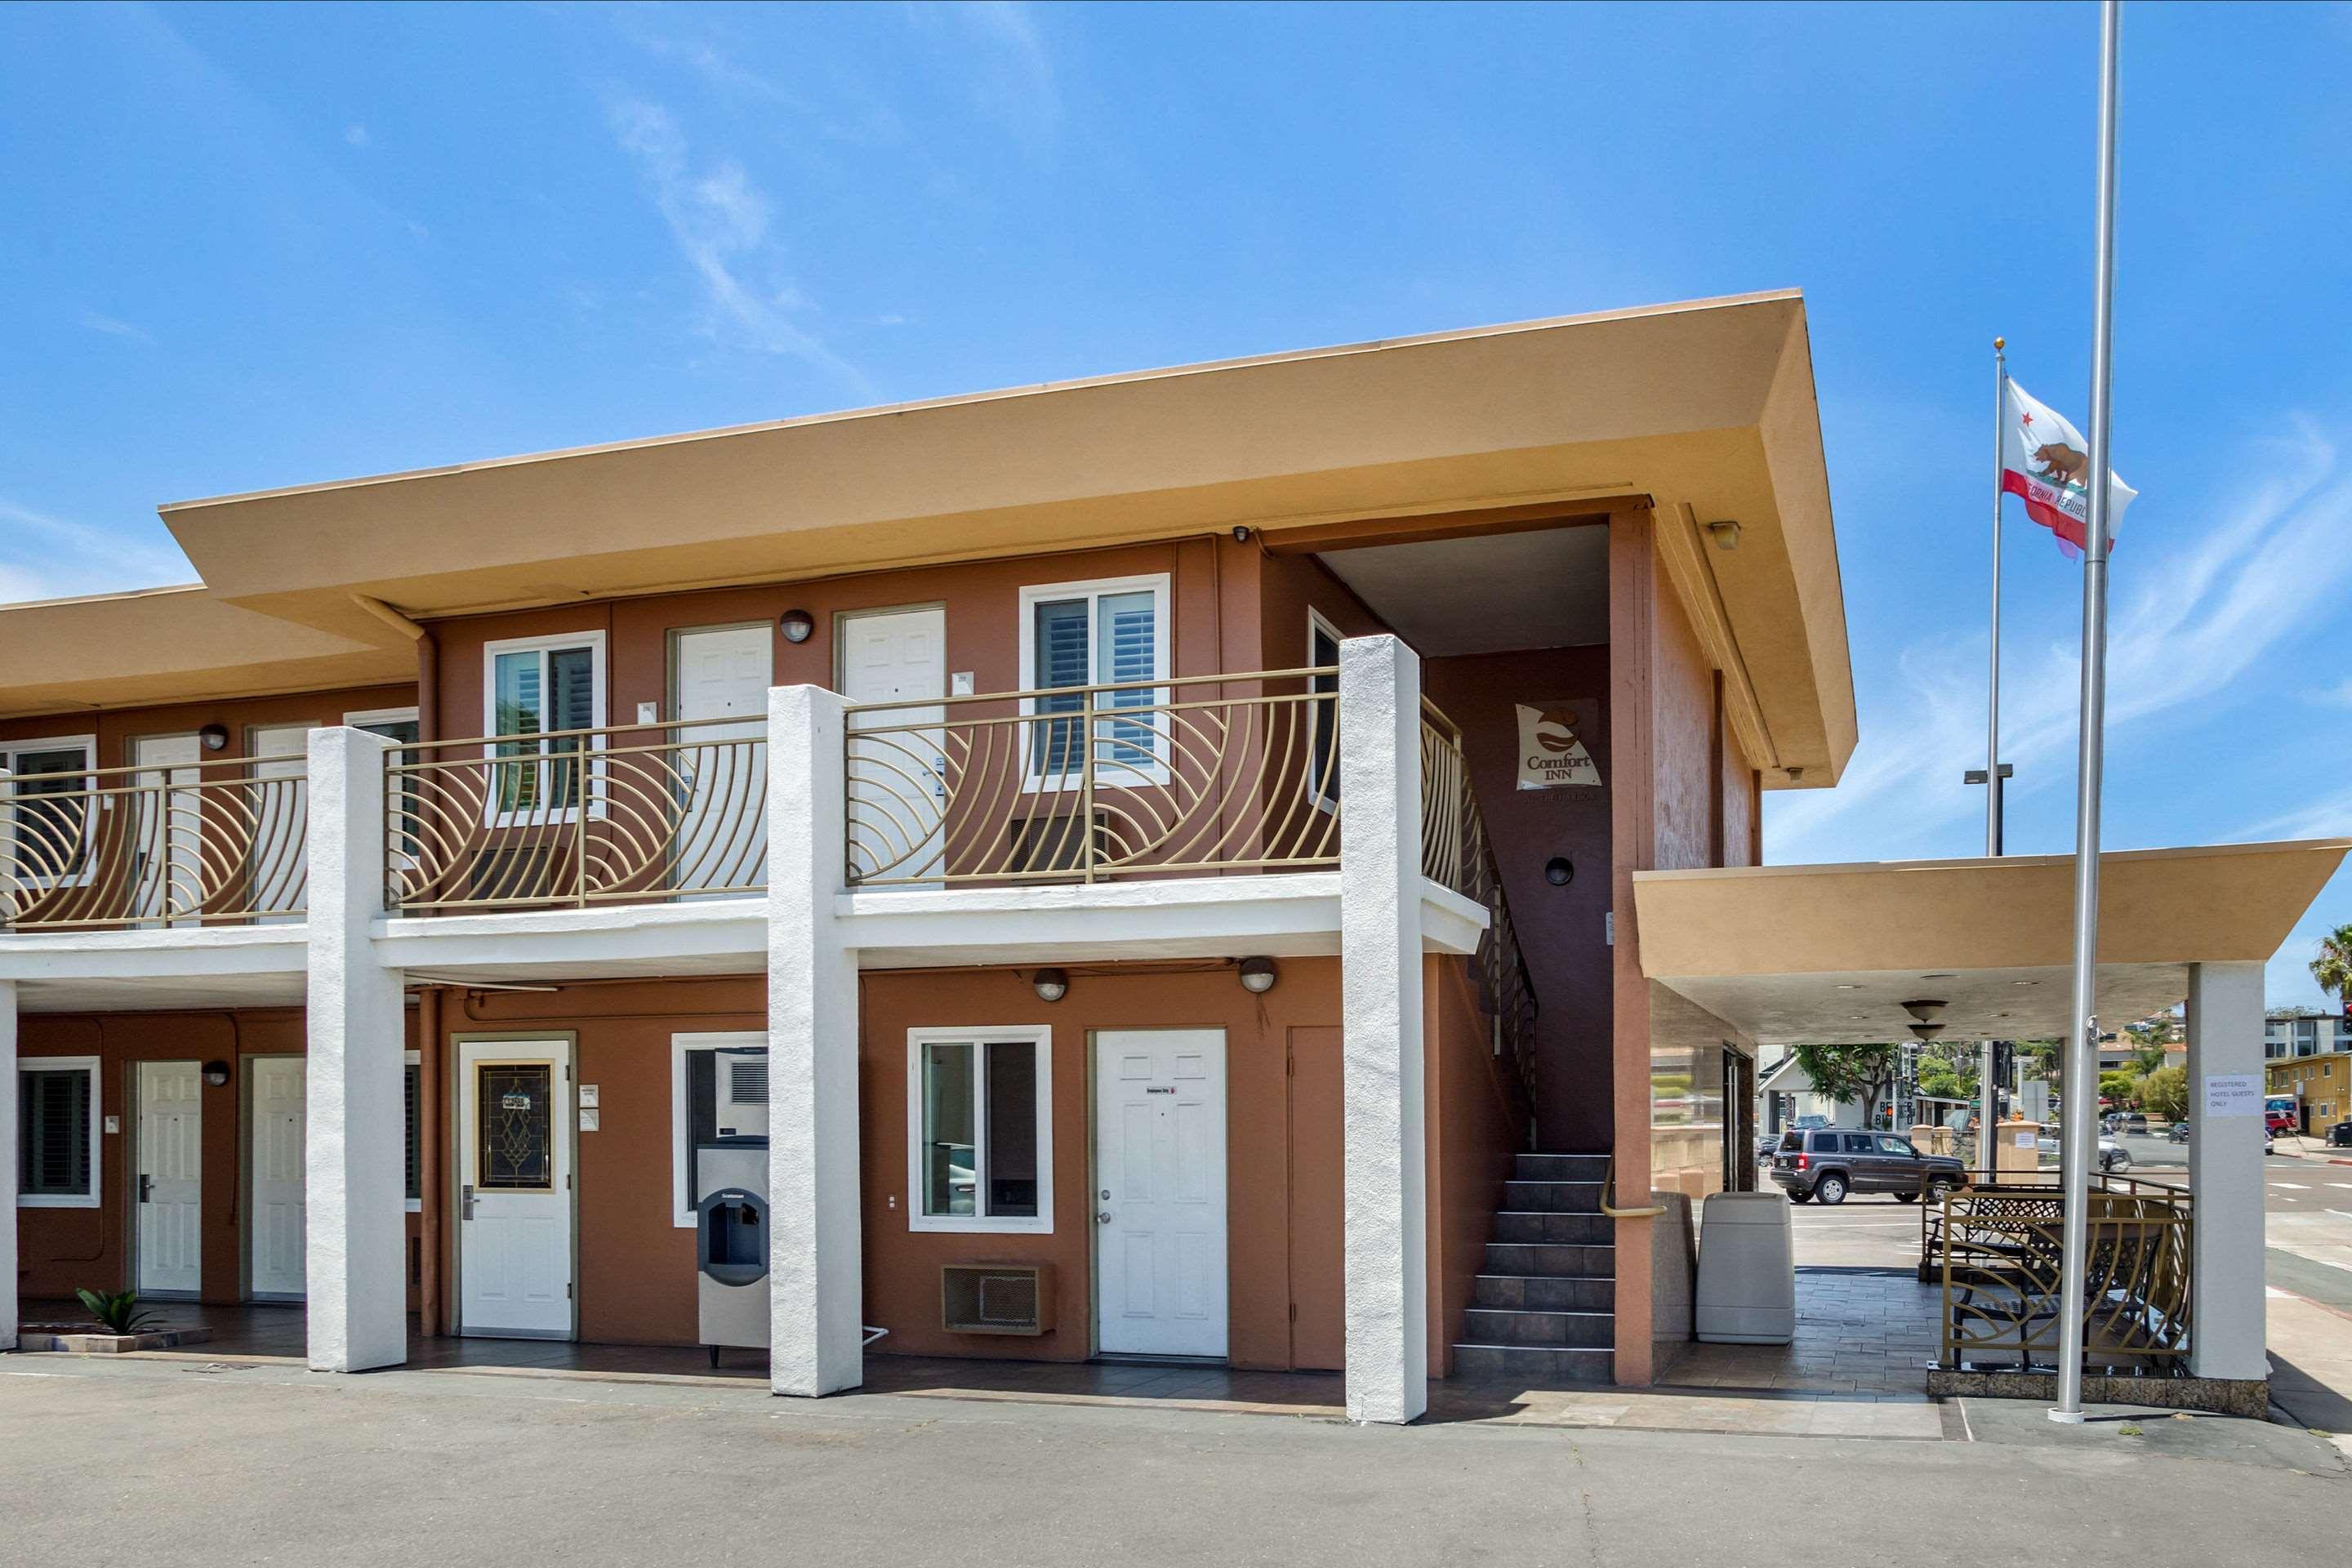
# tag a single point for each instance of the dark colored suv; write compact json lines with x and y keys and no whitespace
{"x":1828,"y":1163}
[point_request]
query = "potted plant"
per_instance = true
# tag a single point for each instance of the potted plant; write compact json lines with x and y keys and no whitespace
{"x":119,"y":1313}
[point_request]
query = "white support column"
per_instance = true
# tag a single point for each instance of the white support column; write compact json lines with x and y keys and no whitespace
{"x":1384,"y":1149}
{"x":815,"y":1277}
{"x":8,"y":1163}
{"x":354,"y":1152}
{"x":2225,"y":1173}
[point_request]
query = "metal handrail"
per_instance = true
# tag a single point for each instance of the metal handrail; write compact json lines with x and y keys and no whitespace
{"x":1456,"y":853}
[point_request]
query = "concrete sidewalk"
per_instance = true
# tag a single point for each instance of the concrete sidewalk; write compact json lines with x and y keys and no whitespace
{"x":201,"y":1464}
{"x":2311,"y":1366}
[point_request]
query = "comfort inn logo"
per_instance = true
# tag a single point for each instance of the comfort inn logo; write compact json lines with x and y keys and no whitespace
{"x":1553,"y":752}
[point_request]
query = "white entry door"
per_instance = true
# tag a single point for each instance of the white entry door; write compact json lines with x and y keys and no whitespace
{"x":274,"y":860}
{"x":170,"y":1185}
{"x":897,"y":785}
{"x":723,"y":673}
{"x":514,"y":1165}
{"x":279,"y":1112}
{"x":1159,"y":1199}
{"x":170,"y":828}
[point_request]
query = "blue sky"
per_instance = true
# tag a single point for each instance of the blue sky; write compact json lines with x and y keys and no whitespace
{"x":249,"y":247}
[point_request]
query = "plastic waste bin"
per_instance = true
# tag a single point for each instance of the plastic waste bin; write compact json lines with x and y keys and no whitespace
{"x":1747,"y":1271}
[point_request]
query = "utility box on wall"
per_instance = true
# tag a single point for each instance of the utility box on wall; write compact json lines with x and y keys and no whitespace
{"x":996,"y":1298}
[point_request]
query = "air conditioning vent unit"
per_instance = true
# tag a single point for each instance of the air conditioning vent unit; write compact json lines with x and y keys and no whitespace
{"x":996,"y":1298}
{"x":742,"y":1098}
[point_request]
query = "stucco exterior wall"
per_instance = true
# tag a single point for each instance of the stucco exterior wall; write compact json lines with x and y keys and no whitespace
{"x":1477,"y":1121}
{"x":116,"y":728}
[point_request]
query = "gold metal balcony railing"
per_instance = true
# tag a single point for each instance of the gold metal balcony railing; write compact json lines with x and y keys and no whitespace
{"x":1454,"y":852}
{"x":192,"y":844}
{"x":575,"y":817}
{"x":1183,"y":776}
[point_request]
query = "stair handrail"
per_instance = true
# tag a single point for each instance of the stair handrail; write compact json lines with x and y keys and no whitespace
{"x":1456,"y":852}
{"x":1609,"y":1184}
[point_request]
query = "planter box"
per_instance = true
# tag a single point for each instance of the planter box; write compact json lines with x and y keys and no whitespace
{"x":85,"y":1339}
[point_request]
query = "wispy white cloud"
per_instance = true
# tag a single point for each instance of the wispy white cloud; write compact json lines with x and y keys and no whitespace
{"x":2327,"y":816}
{"x":2217,"y":607}
{"x":357,"y":135}
{"x":2336,"y":695}
{"x":46,"y":557}
{"x":1012,"y":71}
{"x":115,"y":328}
{"x":719,"y":220}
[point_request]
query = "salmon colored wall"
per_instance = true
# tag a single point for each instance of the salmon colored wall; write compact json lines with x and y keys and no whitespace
{"x":635,"y":1270}
{"x":1213,"y":597}
{"x":1288,"y":586}
{"x":116,"y":728}
{"x":1562,"y":930}
{"x":60,"y":1250}
{"x":1476,"y":1118}
{"x":1271,"y":1227}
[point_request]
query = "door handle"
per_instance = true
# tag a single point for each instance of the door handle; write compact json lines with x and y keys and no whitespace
{"x":468,"y":1199}
{"x":1103,"y":1217}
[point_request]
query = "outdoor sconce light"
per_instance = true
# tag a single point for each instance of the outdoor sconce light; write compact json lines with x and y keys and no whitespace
{"x":798,"y":625}
{"x":1725,"y":534}
{"x":1926,"y":1012}
{"x":1257,"y":975}
{"x":217,"y":1073}
{"x":1053,"y":985}
{"x":1559,"y":871}
{"x":1926,"y":1032}
{"x":214,"y":736}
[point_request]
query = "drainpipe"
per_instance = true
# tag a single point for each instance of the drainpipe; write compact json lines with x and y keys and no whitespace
{"x":429,"y":1160}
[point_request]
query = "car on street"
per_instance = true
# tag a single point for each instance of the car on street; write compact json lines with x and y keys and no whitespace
{"x":2113,"y":1155}
{"x":1830,"y":1162}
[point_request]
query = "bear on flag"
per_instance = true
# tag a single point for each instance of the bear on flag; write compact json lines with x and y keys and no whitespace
{"x":2045,"y":462}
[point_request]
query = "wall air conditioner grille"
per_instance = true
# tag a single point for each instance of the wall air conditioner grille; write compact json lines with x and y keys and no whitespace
{"x":747,"y":1079}
{"x":996,"y":1298}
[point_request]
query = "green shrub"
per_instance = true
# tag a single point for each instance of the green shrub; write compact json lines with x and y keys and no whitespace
{"x":117,"y":1314}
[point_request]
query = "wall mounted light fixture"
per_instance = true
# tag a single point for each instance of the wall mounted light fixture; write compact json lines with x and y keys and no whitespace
{"x":214,"y":736}
{"x":1559,"y":871}
{"x":1258,"y":975}
{"x":1052,"y":985}
{"x":1725,"y":534}
{"x":217,"y":1073}
{"x":798,"y":625}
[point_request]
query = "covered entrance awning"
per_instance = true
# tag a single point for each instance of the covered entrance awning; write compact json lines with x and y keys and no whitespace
{"x":1830,"y":954}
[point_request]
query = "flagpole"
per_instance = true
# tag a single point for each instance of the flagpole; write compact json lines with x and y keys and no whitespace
{"x":2078,"y":1148}
{"x":1986,"y":1100}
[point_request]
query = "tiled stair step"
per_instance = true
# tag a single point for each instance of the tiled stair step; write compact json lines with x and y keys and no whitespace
{"x":1552,"y":1197}
{"x":1558,"y":1262}
{"x":1561,"y":1167}
{"x":1556,"y":1229}
{"x":1543,"y":1293}
{"x":1543,"y":1363}
{"x":1575,"y":1331}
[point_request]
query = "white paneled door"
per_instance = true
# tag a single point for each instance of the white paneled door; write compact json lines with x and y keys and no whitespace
{"x":279,"y":1113}
{"x":899,"y":655}
{"x":170,"y":1178}
{"x":722,"y":673}
{"x":1160,"y":1197}
{"x":169,"y":826}
{"x":278,"y":837}
{"x":514,"y":1167}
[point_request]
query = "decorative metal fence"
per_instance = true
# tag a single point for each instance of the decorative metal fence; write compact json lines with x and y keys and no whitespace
{"x":1454,"y":852}
{"x":1092,"y":784}
{"x":576,"y":817}
{"x":193,"y":844}
{"x":1998,"y":1252}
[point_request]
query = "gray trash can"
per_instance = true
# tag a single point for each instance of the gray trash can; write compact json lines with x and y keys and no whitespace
{"x":1747,"y":1272}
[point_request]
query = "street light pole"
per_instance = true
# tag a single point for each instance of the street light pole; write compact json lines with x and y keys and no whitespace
{"x":1986,"y":1156}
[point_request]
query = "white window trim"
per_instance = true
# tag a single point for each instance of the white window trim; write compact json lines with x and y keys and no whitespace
{"x":593,"y":641}
{"x":88,"y":745}
{"x":1040,"y":1035}
{"x":97,"y":1144}
{"x":1317,"y":621}
{"x":411,"y":1059}
{"x":682,"y":1215}
{"x":1159,"y":585}
{"x":384,"y":716}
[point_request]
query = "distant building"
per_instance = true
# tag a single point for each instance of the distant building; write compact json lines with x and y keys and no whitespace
{"x":2321,"y":1084}
{"x":2297,"y":1032}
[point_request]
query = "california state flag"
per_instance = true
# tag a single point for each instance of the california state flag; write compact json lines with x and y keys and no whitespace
{"x":2045,"y":462}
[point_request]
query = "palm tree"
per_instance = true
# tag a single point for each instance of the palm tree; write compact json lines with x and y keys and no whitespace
{"x":2333,"y":967}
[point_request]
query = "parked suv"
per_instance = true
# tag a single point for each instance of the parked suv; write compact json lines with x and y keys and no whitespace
{"x":1828,"y":1163}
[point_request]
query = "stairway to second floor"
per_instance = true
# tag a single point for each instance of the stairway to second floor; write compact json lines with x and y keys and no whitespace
{"x":1543,"y":1309}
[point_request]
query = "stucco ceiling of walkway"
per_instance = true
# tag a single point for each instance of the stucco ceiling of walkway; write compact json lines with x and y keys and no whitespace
{"x":1830,"y":954}
{"x":1488,"y":594}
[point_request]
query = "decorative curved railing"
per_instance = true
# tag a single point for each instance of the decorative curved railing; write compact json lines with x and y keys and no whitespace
{"x":204,"y":843}
{"x":1090,"y":783}
{"x":1456,"y":853}
{"x":575,"y":817}
{"x":1999,"y":1251}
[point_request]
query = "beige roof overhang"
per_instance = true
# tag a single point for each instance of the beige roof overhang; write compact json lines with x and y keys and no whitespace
{"x":1828,"y":954}
{"x":174,"y":645}
{"x":1708,"y":407}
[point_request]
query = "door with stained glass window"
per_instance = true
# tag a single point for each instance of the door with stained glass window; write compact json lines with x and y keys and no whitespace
{"x":514,"y":1154}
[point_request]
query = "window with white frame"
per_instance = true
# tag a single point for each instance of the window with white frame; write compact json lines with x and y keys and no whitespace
{"x":979,"y":1130}
{"x":1095,"y":634}
{"x":1323,"y":736}
{"x":719,"y":1100}
{"x":542,"y":686}
{"x":56,"y":1133}
{"x":44,"y":808}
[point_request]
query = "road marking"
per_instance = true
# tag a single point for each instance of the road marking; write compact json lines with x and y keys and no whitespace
{"x":2345,"y":1186}
{"x":2298,"y":1186}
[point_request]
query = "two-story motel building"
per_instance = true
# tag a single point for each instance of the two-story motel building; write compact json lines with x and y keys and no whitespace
{"x":1190,"y":833}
